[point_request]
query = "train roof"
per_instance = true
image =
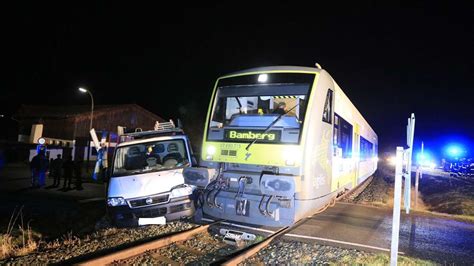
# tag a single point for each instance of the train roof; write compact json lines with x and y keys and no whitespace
{"x":302,"y":69}
{"x":276,"y":68}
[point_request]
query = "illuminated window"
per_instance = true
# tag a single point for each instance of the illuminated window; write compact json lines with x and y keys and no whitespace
{"x":366,"y":149}
{"x":343,"y":136}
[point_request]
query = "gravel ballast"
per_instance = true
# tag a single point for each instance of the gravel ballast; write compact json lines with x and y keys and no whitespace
{"x":70,"y":247}
{"x":295,"y":252}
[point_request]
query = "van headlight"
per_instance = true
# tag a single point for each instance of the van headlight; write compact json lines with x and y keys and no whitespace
{"x":116,"y":201}
{"x":181,"y":191}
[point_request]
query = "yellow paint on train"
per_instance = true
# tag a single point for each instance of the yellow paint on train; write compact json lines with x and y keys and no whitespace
{"x":259,"y":154}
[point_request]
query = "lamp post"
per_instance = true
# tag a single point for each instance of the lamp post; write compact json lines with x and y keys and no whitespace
{"x":92,"y":104}
{"x":83,"y":90}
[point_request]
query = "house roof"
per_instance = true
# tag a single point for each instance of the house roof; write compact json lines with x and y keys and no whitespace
{"x":68,"y":111}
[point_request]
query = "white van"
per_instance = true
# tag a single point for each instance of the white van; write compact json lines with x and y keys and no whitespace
{"x":146,"y":184}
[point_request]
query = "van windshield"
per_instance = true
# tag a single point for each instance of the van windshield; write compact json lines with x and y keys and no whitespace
{"x":150,"y":157}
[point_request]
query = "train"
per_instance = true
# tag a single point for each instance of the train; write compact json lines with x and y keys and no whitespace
{"x":279,"y":144}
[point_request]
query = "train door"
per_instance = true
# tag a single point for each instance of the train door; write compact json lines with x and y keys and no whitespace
{"x":343,"y":165}
{"x":356,"y":154}
{"x":327,"y":135}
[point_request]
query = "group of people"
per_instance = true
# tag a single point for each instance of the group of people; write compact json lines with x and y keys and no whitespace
{"x":58,"y":169}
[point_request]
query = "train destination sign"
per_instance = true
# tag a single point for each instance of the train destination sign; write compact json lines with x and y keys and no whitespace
{"x":245,"y":135}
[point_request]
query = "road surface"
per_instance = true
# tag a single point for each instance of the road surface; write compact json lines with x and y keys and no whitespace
{"x":49,"y":211}
{"x":369,"y":228}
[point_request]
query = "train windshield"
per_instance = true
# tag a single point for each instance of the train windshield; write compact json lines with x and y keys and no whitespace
{"x":245,"y":106}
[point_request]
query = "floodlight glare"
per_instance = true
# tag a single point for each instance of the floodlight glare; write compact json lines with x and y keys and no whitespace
{"x":454,"y":150}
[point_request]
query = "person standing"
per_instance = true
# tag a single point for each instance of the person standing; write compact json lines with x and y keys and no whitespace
{"x":68,"y":167}
{"x":78,"y":173}
{"x":56,"y":169}
{"x":34,"y":165}
{"x":39,"y":165}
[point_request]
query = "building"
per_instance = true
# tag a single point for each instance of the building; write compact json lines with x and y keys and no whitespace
{"x":66,"y":128}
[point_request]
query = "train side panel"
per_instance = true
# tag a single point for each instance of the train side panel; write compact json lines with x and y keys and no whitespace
{"x":358,"y":164}
{"x":317,"y":150}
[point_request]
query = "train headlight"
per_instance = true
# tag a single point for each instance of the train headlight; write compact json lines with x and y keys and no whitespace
{"x":211,"y":150}
{"x":262,"y":78}
{"x":116,"y":201}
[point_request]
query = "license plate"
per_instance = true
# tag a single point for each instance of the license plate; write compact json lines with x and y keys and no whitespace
{"x":156,"y":220}
{"x":242,"y":207}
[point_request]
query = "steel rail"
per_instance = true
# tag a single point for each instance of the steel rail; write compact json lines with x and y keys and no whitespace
{"x":142,"y":248}
{"x":247,"y":252}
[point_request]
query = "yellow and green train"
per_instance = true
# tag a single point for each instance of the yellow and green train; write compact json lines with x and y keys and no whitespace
{"x":279,"y":144}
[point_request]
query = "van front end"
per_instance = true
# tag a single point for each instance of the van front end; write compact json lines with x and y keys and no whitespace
{"x":172,"y":205}
{"x":147,"y":185}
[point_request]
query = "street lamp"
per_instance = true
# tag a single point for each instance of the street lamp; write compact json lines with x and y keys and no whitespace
{"x":83,"y":90}
{"x":92,"y":104}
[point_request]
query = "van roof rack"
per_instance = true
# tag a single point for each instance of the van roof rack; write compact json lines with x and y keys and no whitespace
{"x":160,"y":129}
{"x":164,"y":125}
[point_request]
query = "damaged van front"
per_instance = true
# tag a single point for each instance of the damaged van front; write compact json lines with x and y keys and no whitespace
{"x":146,"y":183}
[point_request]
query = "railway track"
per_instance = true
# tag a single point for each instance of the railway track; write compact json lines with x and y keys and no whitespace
{"x":142,"y":248}
{"x":201,"y":244}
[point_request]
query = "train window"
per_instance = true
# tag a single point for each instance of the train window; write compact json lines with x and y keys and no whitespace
{"x":343,"y":136}
{"x":366,"y":149}
{"x":327,"y":112}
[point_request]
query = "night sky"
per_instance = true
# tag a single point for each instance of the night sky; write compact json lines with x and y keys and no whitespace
{"x":389,"y":60}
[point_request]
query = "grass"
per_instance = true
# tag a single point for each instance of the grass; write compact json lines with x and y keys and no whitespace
{"x":462,"y":218}
{"x":441,"y":196}
{"x":18,"y":242}
{"x":382,"y":259}
{"x":450,"y":195}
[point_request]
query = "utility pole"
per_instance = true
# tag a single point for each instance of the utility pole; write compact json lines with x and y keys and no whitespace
{"x":83,"y":90}
{"x":419,"y":174}
{"x":402,"y":169}
{"x":397,"y":196}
